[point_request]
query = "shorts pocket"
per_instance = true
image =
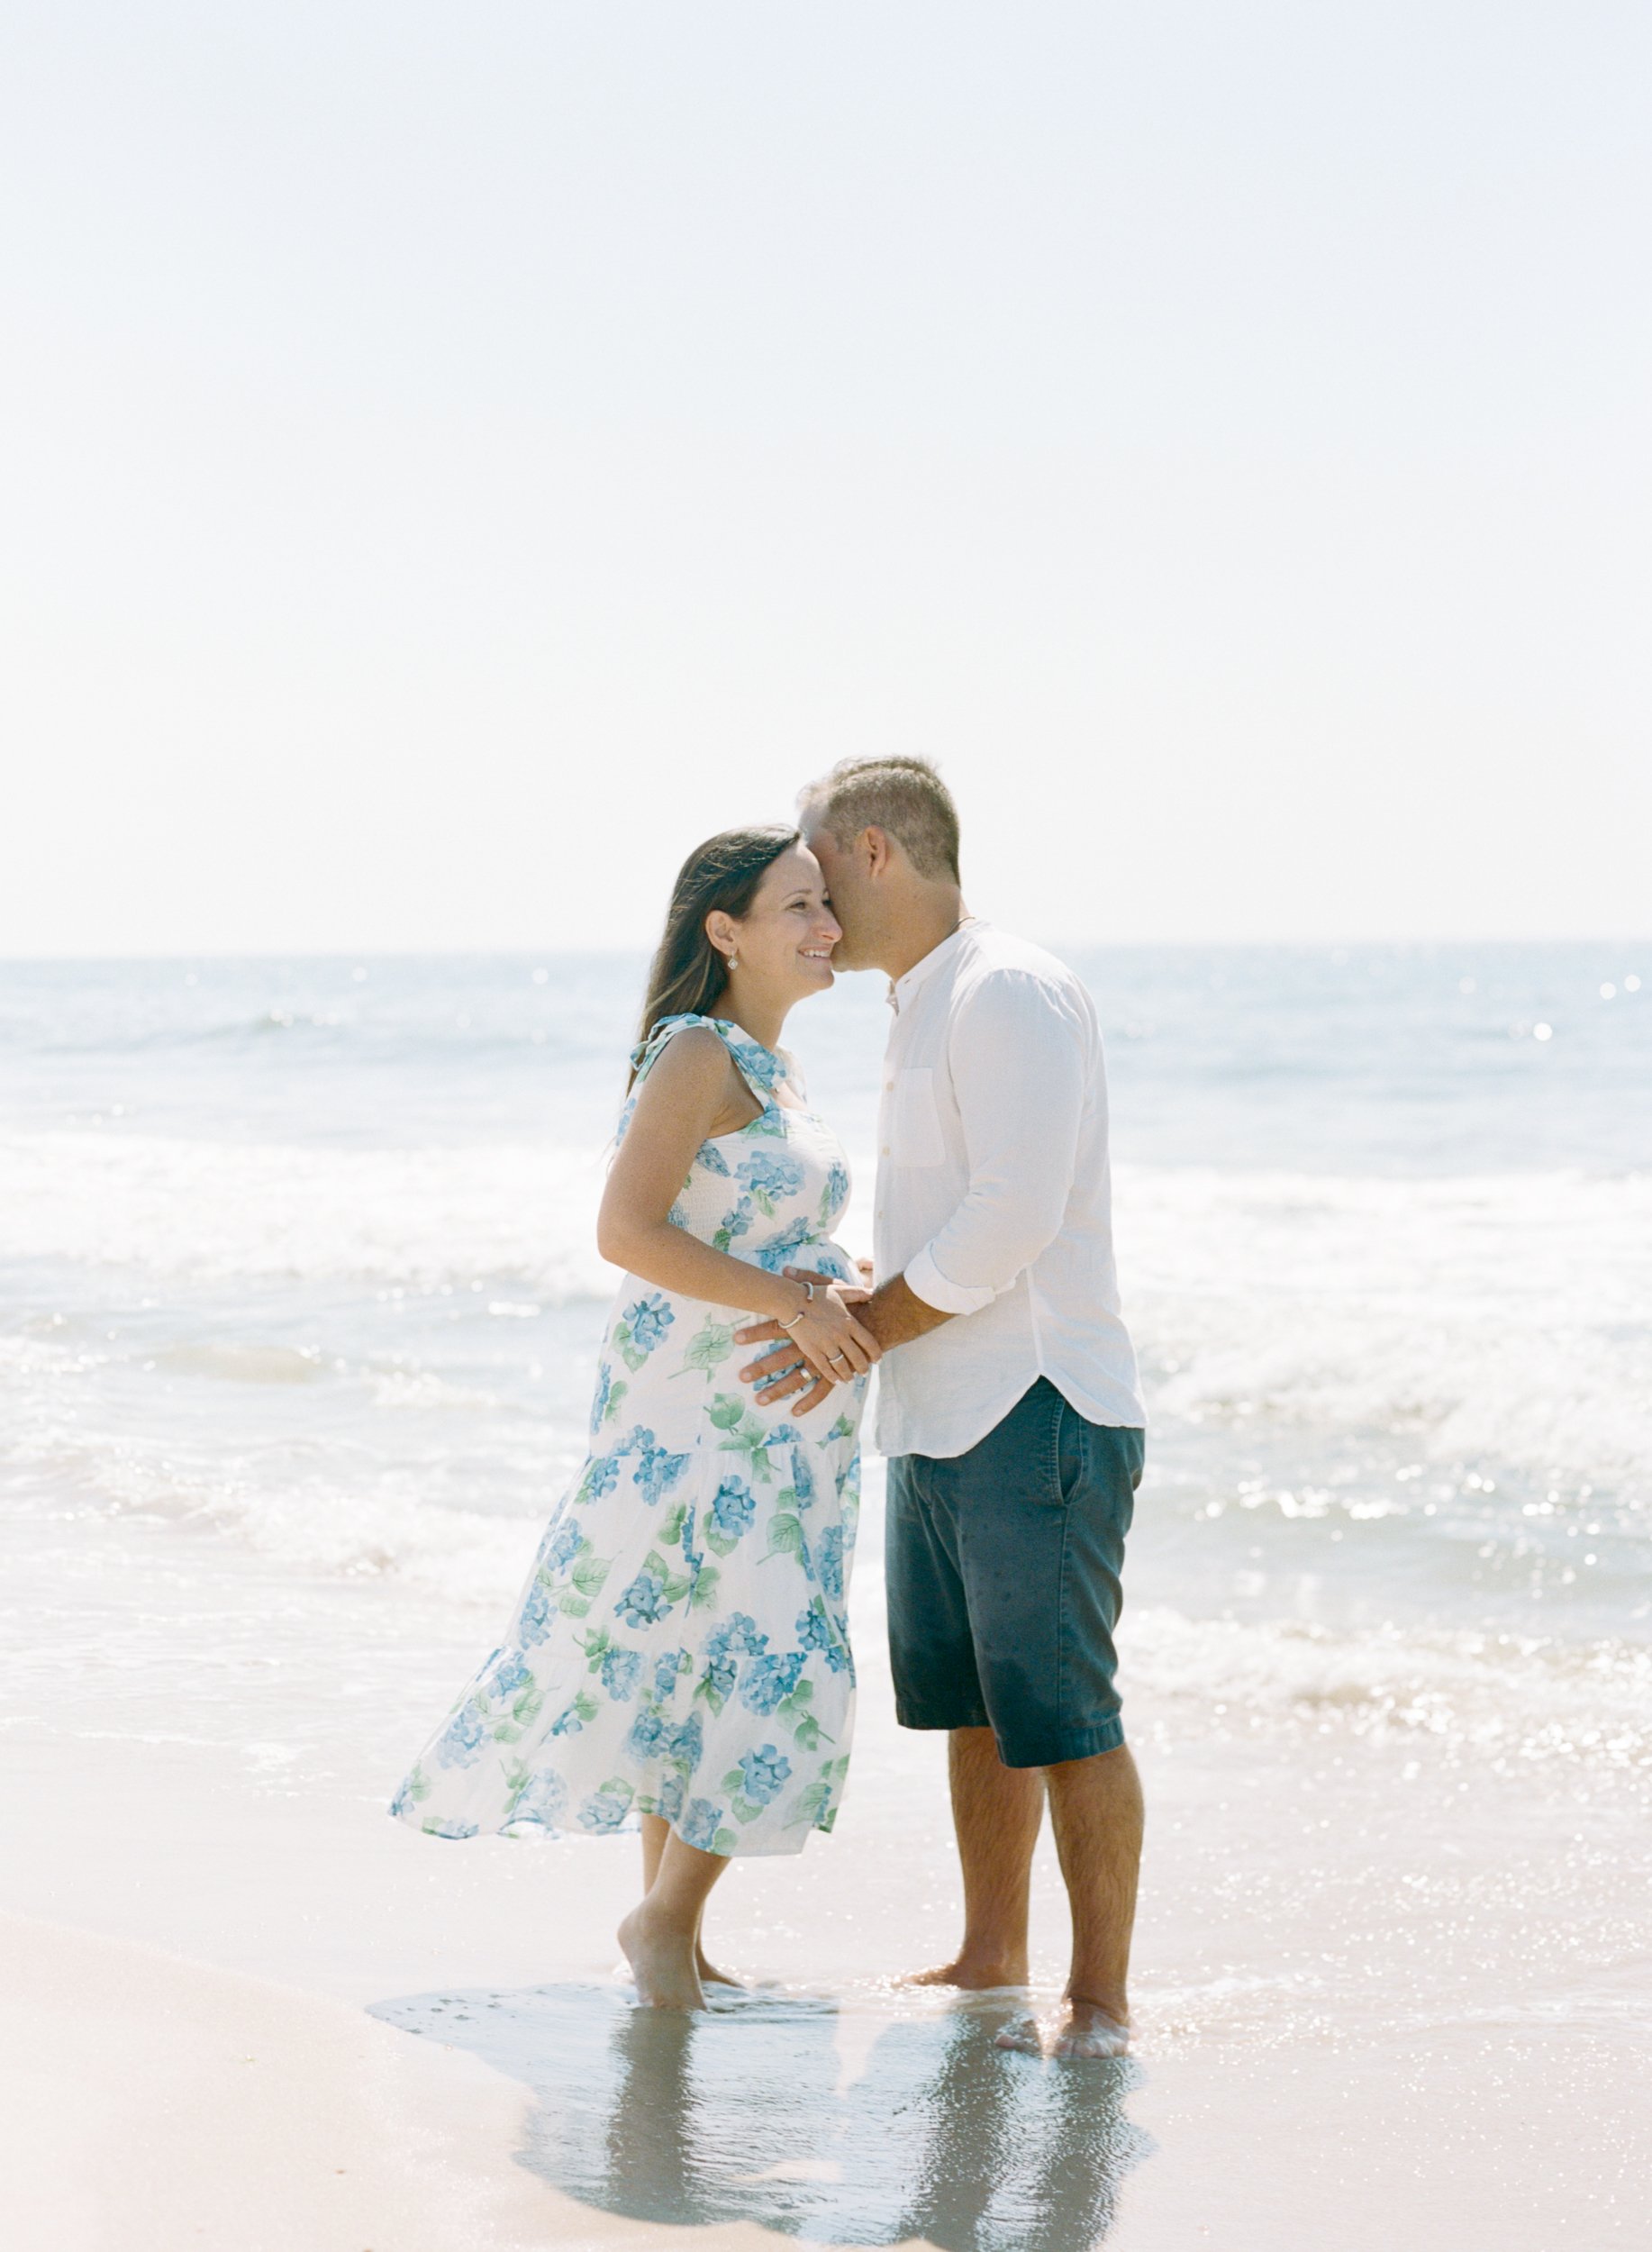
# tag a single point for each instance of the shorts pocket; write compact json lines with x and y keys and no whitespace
{"x":1070,"y":1450}
{"x":1054,"y":1445}
{"x":914,"y":1123}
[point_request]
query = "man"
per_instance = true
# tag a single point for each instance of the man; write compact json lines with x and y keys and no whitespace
{"x":1008,"y":1404}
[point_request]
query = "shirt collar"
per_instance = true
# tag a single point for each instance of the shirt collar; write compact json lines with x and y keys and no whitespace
{"x":902,"y":989}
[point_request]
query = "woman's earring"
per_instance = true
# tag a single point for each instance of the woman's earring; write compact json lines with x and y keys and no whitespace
{"x":735,"y":961}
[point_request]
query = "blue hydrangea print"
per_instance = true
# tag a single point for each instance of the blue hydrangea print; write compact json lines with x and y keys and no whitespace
{"x":687,"y":1746}
{"x":563,"y":1545}
{"x":770,"y":1176}
{"x":644,"y":1600}
{"x":701,"y":1824}
{"x":736,"y":1223}
{"x":740,"y":1632}
{"x":463,"y":1738}
{"x":766,"y":1771}
{"x":513,"y":1676}
{"x":534,"y":1624}
{"x":622,"y":1671}
{"x":679,"y":1646}
{"x":602,"y":1475}
{"x":650,"y":1319}
{"x":657,"y":1469}
{"x":648,"y":1735}
{"x":764,"y":1681}
{"x":733,"y":1507}
{"x":783,"y":1248}
{"x":605,"y":1393}
{"x":606,"y":1810}
{"x":542,"y":1799}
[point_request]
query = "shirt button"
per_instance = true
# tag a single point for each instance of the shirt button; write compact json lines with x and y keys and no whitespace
{"x":883,"y":1152}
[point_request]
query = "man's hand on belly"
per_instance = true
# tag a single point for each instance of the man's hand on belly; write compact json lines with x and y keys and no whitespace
{"x":895,"y":1314}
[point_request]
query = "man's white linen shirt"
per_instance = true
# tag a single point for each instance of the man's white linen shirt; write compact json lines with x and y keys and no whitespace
{"x":995,"y":1195}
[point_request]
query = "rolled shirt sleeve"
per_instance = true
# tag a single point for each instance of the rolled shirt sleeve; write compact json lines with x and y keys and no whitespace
{"x":1019,"y":1055}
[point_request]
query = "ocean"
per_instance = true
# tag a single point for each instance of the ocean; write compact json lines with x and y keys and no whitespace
{"x":303,"y":1252}
{"x":299,"y":1305}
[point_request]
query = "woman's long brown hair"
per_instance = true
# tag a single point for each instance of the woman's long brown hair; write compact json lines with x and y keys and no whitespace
{"x":689,"y":975}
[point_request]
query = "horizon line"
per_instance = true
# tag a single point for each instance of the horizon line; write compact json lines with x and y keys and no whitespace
{"x":630,"y":953}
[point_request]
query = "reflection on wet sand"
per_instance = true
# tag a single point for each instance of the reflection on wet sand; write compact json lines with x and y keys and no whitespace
{"x":745,"y":2114}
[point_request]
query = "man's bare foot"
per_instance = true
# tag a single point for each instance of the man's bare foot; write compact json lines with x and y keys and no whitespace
{"x":973,"y":1977}
{"x":662,"y":1963}
{"x":1086,"y":2029}
{"x":1090,"y":2030}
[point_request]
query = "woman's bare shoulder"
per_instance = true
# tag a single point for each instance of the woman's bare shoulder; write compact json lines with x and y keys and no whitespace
{"x":689,"y":1081}
{"x":692,"y":1056}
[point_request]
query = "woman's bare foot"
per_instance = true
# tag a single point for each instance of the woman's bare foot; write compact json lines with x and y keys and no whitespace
{"x":709,"y":1975}
{"x":662,"y":1962}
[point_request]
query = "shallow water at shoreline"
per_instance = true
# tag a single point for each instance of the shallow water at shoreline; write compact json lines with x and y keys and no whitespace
{"x":298,"y":1314}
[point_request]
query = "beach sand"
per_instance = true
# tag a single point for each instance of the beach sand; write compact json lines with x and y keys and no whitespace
{"x":1381,"y":1995}
{"x":151,"y":2104}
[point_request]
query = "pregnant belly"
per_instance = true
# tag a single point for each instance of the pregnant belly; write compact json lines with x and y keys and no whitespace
{"x":819,"y":1254}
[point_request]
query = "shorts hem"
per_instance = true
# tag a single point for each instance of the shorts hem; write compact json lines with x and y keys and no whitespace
{"x":908,"y":1716}
{"x":1055,"y":1750}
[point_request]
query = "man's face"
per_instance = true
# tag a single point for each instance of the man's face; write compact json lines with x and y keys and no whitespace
{"x":848,"y":885}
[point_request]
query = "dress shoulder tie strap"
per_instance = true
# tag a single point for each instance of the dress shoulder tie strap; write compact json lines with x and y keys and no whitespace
{"x":760,"y":1066}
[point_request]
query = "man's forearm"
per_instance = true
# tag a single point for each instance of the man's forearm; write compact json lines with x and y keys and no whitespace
{"x":896,"y":1314}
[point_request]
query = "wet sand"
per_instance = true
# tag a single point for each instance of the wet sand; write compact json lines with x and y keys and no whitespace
{"x":1383,"y":1990}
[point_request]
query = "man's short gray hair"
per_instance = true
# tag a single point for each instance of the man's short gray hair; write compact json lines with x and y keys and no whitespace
{"x":904,"y":797}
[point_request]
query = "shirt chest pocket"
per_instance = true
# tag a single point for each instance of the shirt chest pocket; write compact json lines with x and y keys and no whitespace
{"x":914,"y":1123}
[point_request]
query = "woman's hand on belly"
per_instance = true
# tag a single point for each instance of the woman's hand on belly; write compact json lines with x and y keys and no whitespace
{"x":779,"y":1374}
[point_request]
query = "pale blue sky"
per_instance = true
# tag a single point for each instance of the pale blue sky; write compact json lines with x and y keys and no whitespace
{"x":454,"y":459}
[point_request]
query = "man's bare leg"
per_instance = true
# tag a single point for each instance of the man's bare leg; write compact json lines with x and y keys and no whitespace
{"x":655,"y":1830}
{"x":1096,"y":1812}
{"x":661,"y":1934}
{"x":996,"y":1812}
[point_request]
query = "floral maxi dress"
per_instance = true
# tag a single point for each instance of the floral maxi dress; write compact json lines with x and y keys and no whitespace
{"x":681,"y":1646}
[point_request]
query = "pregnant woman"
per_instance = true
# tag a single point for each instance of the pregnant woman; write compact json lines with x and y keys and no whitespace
{"x":679,"y":1659}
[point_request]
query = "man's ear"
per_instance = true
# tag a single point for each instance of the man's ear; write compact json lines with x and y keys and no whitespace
{"x":874,"y":844}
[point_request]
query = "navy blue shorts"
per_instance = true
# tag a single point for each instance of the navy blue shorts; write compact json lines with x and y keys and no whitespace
{"x":1004,"y":1566}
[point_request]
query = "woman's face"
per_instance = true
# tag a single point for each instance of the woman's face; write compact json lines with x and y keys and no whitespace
{"x":785,"y":943}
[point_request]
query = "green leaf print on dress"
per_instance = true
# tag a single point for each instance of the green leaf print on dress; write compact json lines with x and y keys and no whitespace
{"x":748,"y":1434}
{"x":708,"y":1348}
{"x":681,"y":1645}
